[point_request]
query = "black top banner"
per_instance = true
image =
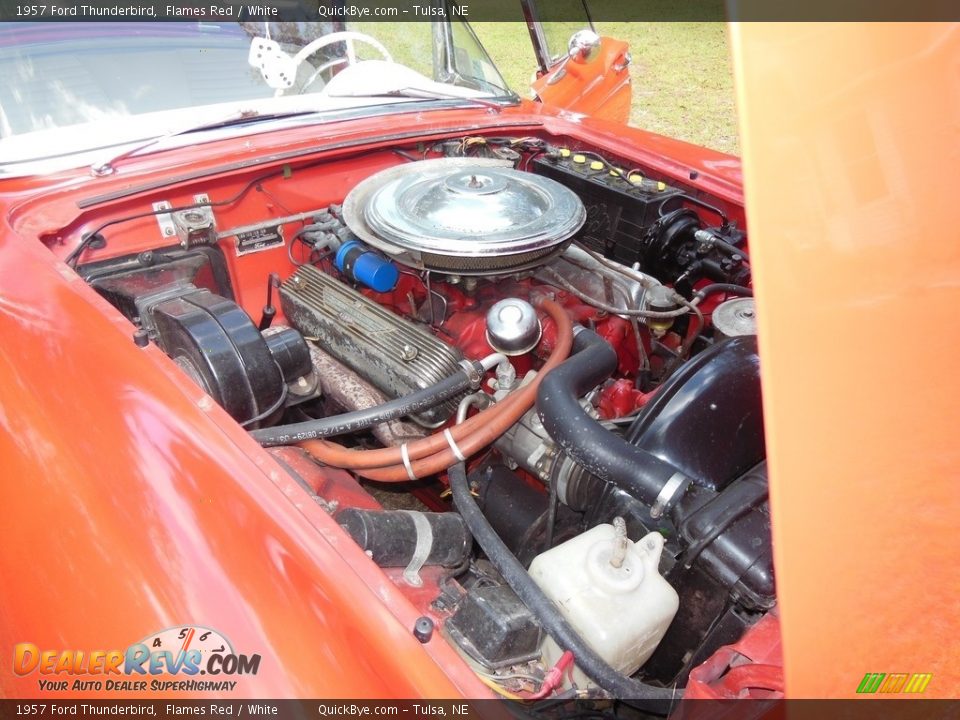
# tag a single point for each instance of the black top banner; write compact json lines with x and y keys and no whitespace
{"x":394,"y":11}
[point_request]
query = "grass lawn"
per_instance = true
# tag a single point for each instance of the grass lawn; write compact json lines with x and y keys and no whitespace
{"x":682,"y":77}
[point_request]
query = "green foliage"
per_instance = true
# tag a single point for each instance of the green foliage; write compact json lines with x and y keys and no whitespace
{"x":682,"y":75}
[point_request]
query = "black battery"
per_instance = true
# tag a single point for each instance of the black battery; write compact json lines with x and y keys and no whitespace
{"x":619,"y":208}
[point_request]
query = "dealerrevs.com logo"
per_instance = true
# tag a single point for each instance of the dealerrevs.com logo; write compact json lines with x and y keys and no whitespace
{"x":168,"y":661}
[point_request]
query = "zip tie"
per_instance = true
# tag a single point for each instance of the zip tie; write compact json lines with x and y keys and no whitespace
{"x":453,"y":445}
{"x":406,"y":462}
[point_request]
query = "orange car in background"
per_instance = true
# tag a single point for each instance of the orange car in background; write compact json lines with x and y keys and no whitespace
{"x":332,"y":369}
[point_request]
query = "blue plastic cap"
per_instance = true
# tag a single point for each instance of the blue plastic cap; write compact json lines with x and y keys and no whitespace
{"x":376,"y":272}
{"x":340,"y":258}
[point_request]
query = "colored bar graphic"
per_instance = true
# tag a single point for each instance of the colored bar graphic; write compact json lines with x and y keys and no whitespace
{"x":894,"y":683}
{"x":870,"y":682}
{"x":918,"y":682}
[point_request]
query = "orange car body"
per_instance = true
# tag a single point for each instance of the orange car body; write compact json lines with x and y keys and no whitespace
{"x":132,"y":502}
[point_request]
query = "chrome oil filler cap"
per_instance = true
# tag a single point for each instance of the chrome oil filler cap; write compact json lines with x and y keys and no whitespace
{"x":513,"y":327}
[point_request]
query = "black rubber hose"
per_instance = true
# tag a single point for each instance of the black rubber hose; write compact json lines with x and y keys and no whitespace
{"x":356,"y":420}
{"x":727,"y":288}
{"x":730,"y":249}
{"x":592,"y":446}
{"x":648,"y":697}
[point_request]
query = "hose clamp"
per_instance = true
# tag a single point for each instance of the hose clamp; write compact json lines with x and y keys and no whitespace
{"x":669,"y":489}
{"x":411,"y":573}
{"x":473,"y":374}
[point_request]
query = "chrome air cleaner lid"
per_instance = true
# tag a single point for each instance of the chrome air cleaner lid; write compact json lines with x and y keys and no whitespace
{"x":464,"y":215}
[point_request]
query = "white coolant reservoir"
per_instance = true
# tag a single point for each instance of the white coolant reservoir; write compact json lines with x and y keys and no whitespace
{"x":611,"y":591}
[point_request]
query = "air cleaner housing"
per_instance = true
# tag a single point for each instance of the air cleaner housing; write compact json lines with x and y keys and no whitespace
{"x":467,"y":216}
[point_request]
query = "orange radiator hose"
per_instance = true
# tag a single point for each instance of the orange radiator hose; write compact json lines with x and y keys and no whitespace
{"x":433,"y":454}
{"x":333,"y":454}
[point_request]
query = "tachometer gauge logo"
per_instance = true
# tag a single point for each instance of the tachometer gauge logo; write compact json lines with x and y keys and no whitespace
{"x":190,"y":649}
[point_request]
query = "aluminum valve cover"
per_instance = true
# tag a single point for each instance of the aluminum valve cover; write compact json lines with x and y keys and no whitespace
{"x":464,"y":215}
{"x":388,"y":351}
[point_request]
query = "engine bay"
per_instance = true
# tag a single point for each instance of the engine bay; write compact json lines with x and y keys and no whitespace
{"x":520,"y":374}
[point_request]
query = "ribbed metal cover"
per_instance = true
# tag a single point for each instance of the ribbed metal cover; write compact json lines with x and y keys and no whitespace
{"x":470,"y":216}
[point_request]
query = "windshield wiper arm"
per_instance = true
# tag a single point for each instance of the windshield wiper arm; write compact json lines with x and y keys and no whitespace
{"x":242,"y":117}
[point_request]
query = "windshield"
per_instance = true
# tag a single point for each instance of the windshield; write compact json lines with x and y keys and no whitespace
{"x":70,"y":87}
